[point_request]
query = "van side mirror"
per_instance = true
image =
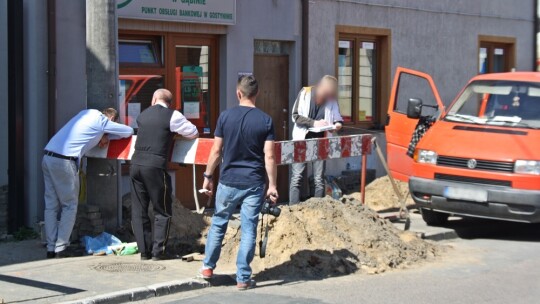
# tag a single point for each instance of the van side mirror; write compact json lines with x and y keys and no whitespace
{"x":414,"y":108}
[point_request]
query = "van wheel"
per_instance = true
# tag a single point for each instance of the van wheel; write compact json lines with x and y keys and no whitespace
{"x":434,"y":218}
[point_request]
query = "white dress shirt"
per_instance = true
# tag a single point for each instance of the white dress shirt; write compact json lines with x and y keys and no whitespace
{"x":180,"y":124}
{"x":83,"y":132}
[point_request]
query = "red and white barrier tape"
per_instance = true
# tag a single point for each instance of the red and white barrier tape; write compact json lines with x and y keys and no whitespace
{"x":287,"y":152}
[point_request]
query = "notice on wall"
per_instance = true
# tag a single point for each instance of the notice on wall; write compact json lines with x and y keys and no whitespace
{"x":192,"y":110}
{"x":134,"y":109}
{"x":198,"y":11}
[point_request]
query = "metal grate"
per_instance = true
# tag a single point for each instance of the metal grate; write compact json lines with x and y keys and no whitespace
{"x":473,"y":180}
{"x":459,"y":162}
{"x":128,"y":267}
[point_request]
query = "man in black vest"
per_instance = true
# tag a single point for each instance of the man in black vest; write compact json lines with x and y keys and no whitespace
{"x":149,"y":178}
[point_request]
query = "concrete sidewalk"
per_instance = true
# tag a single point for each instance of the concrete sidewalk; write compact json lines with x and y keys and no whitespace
{"x":92,"y":279}
{"x":25,"y":276}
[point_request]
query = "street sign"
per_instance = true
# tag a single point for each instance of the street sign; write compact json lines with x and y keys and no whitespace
{"x":197,"y":11}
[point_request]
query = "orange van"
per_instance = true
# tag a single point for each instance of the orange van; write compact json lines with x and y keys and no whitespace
{"x":479,"y":157}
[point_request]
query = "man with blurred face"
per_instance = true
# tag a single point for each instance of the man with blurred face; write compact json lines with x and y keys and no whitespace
{"x":61,"y":175}
{"x":314,"y":107}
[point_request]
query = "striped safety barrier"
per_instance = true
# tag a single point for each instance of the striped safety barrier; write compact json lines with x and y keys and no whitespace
{"x":287,"y":152}
{"x":196,"y":151}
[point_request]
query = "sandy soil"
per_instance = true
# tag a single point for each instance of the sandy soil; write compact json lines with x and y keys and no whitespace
{"x":316,"y":239}
{"x":325,"y":237}
{"x":380,"y":194}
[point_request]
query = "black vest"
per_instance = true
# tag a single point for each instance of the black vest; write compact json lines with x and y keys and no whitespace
{"x":154,"y":137}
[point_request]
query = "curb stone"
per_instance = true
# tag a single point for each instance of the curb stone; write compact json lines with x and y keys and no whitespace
{"x":143,"y":293}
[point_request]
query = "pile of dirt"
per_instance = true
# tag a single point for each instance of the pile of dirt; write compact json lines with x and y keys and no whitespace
{"x":187,"y":228}
{"x":380,"y":194}
{"x":186,"y":231}
{"x":326,"y":237}
{"x":316,"y":239}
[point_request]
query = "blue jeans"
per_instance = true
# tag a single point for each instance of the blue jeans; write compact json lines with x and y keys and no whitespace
{"x":227,"y":199}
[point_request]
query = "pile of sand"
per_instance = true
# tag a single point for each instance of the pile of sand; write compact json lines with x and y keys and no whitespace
{"x":186,"y":231}
{"x":325,"y":237}
{"x":380,"y":194}
{"x":316,"y":239}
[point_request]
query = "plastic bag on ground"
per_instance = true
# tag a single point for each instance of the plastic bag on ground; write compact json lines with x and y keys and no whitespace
{"x":126,"y":249}
{"x":100,"y":244}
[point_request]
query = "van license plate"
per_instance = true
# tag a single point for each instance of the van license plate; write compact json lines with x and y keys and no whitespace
{"x":466,"y":194}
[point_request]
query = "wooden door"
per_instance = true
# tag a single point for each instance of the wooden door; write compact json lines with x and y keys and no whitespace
{"x":272,"y":72}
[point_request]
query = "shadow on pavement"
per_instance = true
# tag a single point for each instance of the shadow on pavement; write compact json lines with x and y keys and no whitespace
{"x":310,"y":265}
{"x":473,"y":228}
{"x":222,"y":280}
{"x":40,"y":285}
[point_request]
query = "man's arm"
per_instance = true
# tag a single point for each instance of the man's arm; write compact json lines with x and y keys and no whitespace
{"x":182,"y":126}
{"x":338,"y":120}
{"x":298,"y":119}
{"x":271,"y":170}
{"x":116,"y":130}
{"x":213,"y":161}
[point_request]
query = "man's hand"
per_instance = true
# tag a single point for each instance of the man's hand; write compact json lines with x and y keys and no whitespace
{"x":338,"y":126}
{"x":272,"y":194}
{"x":208,"y":185}
{"x":104,"y":141}
{"x":320,"y":123}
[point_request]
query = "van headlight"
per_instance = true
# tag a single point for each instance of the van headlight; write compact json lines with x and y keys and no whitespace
{"x":425,"y":157}
{"x":527,"y":167}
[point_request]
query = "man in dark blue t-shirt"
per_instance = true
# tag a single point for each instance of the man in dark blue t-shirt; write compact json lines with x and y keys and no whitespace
{"x":244,"y":139}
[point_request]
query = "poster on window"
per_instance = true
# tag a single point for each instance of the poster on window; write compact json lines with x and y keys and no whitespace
{"x":191,"y":91}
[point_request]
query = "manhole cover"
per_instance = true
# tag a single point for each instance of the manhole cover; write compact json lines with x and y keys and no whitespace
{"x":128,"y":267}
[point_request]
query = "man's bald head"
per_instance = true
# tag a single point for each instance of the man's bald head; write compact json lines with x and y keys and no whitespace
{"x":162,"y":95}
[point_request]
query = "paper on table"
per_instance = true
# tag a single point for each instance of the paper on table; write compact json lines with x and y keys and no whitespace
{"x":322,"y":129}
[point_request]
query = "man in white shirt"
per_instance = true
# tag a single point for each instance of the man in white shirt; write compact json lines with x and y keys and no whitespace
{"x":150,"y":181}
{"x":60,"y":171}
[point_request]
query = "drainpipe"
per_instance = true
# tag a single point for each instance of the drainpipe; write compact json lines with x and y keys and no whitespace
{"x":535,"y":33}
{"x":51,"y":71}
{"x":16,"y":209}
{"x":305,"y":40}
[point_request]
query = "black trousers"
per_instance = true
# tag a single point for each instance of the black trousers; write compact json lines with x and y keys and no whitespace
{"x":149,"y":184}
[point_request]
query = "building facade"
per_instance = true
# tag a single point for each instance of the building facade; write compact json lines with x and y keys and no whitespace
{"x":63,"y":56}
{"x":362,"y":42}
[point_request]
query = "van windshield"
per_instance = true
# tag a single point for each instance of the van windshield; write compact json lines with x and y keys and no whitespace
{"x":502,"y":103}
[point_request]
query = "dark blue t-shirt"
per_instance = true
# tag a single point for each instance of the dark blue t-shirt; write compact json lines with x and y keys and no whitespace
{"x":244,"y":131}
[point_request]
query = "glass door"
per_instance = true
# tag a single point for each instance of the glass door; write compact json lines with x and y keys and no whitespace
{"x":194,"y":82}
{"x":191,"y":63}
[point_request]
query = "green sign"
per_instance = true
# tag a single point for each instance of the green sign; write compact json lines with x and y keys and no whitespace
{"x":198,"y":11}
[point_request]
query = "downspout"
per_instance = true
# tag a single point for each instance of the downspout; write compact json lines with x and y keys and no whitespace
{"x":305,"y":42}
{"x":535,"y":33}
{"x":16,"y":209}
{"x":51,"y":71}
